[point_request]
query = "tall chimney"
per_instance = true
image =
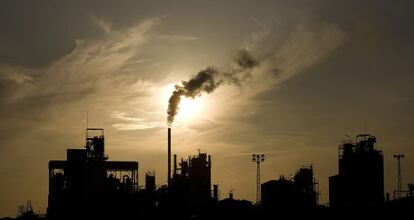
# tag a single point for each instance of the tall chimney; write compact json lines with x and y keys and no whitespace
{"x":169,"y":157}
{"x":175,"y":165}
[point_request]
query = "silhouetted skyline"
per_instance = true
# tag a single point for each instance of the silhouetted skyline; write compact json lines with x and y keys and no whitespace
{"x":88,"y":185}
{"x":325,"y":69}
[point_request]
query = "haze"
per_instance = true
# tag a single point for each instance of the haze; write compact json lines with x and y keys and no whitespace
{"x":332,"y":68}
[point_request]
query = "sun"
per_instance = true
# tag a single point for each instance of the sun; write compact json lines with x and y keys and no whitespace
{"x":189,"y":108}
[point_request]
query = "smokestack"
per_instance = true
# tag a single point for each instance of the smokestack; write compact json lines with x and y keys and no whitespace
{"x":169,"y":157}
{"x":175,"y":165}
{"x":215,"y":192}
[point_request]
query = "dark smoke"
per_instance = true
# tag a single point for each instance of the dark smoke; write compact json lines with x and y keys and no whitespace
{"x":208,"y":80}
{"x":245,"y":59}
{"x":204,"y":81}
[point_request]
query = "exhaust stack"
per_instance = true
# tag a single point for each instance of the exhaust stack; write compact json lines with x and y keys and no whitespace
{"x":169,"y":157}
{"x":175,"y":165}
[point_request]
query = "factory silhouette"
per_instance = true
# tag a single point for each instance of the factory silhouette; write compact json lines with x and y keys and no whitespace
{"x":89,"y":186}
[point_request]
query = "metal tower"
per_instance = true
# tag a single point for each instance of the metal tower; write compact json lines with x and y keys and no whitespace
{"x":399,"y":181}
{"x":258,"y":159}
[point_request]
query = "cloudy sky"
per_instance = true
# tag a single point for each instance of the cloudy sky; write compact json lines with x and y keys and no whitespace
{"x":326,"y":69}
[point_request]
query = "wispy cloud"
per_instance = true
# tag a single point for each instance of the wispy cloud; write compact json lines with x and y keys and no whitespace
{"x":142,"y":125}
{"x":175,"y":37}
{"x":104,"y":25}
{"x":257,"y":22}
{"x":88,"y":79}
{"x":127,"y":121}
{"x":287,"y":52}
{"x":17,"y":77}
{"x":92,"y":65}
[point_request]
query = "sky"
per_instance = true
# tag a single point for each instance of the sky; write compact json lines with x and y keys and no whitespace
{"x":326,"y":69}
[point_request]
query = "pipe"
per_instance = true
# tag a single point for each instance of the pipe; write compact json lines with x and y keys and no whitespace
{"x":175,"y":165}
{"x":169,"y":157}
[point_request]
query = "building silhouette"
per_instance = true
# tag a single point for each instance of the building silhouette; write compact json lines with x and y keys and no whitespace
{"x":87,"y":183}
{"x":231,"y":208}
{"x":150,"y":185}
{"x":88,"y":186}
{"x":360,"y":180}
{"x":298,"y":193}
{"x":190,"y":185}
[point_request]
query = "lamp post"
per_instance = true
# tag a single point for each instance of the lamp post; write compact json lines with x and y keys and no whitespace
{"x":399,"y":181}
{"x":258,"y":159}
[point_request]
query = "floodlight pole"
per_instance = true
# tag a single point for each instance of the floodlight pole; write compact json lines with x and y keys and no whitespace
{"x":258,"y":159}
{"x":399,"y":181}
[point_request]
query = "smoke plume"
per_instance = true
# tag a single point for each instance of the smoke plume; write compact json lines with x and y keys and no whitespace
{"x":274,"y":56}
{"x":207,"y":80}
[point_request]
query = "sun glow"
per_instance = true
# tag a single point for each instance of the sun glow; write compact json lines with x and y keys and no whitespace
{"x":188,"y":109}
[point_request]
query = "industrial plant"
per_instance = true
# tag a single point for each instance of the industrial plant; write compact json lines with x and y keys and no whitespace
{"x":87,"y":185}
{"x":360,"y":181}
